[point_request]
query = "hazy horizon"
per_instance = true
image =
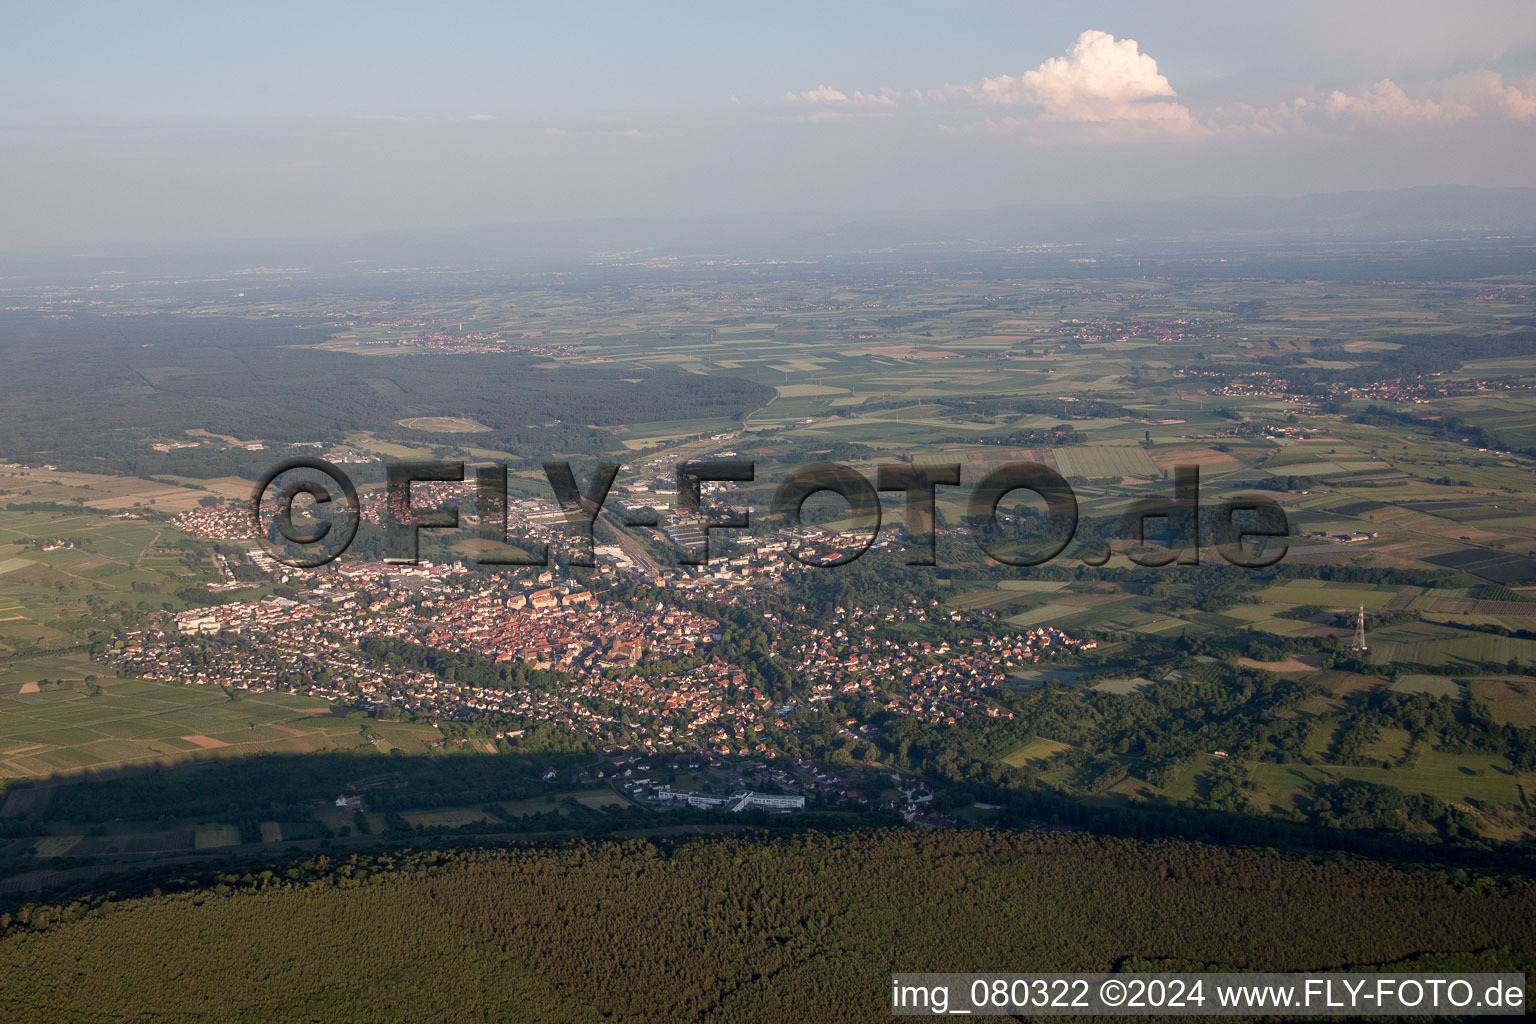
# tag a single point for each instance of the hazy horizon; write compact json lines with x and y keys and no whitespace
{"x":1368,"y":216}
{"x":297,"y":122}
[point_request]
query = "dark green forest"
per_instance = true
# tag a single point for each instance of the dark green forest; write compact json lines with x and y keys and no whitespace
{"x":806,"y":927}
{"x":159,"y":376}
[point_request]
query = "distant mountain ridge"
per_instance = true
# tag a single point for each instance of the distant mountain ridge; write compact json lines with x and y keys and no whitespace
{"x":1380,"y":215}
{"x":1411,"y":212}
{"x":1373,"y":215}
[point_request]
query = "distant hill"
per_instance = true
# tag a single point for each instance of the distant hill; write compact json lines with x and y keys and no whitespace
{"x":1433,"y":212}
{"x":1436,"y":211}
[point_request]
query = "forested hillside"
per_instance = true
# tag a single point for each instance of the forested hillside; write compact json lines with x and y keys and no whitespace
{"x":801,"y":928}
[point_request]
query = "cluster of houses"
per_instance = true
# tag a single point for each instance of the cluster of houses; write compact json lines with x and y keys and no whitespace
{"x":598,"y":650}
{"x":561,"y":628}
{"x":312,"y":644}
{"x":217,"y":522}
{"x":1411,"y":390}
{"x":930,"y":680}
{"x":479,"y":342}
{"x":1097,"y":329}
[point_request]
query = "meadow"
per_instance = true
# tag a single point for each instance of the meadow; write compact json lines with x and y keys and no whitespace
{"x":133,"y":722}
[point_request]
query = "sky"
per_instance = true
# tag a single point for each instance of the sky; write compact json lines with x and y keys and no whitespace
{"x":150,"y":124}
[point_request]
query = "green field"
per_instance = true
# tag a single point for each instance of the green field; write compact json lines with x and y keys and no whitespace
{"x":45,"y":595}
{"x":1453,"y":778}
{"x":1438,"y":686}
{"x":1512,"y":701}
{"x":133,"y":722}
{"x":1105,"y":461}
{"x":1429,"y":644}
{"x":444,"y":425}
{"x":1037,"y":749}
{"x":1329,"y":595}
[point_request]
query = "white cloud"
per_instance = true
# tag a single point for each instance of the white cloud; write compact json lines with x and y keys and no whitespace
{"x":1097,"y":69}
{"x":1471,"y":94}
{"x":1386,"y":101}
{"x":820,"y":94}
{"x":879,"y":98}
{"x":1270,"y":119}
{"x":1100,"y":81}
{"x":1489,"y":94}
{"x":825,"y":95}
{"x":1105,"y":88}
